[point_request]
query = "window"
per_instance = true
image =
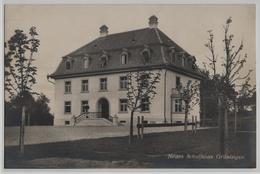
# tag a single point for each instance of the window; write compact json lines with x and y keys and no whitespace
{"x":104,"y":60}
{"x":67,"y":107}
{"x":145,"y":104}
{"x":145,"y":80}
{"x":124,"y":58}
{"x":123,"y":105}
{"x":178,"y":81}
{"x":173,"y":58}
{"x":84,"y":86}
{"x":172,"y":54}
{"x":68,"y":65}
{"x":67,"y":122}
{"x":146,"y":55}
{"x":123,"y":82}
{"x":84,"y":106}
{"x":86,"y":62}
{"x":67,"y":86}
{"x":178,"y":105}
{"x":103,"y":84}
{"x":183,"y":61}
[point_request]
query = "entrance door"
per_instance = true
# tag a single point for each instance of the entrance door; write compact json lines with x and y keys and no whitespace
{"x":104,"y":108}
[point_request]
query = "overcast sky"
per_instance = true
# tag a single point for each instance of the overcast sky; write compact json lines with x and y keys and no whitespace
{"x":64,"y":28}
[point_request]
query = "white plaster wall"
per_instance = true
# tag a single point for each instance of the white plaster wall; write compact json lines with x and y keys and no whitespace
{"x":171,"y":83}
{"x":113,"y":95}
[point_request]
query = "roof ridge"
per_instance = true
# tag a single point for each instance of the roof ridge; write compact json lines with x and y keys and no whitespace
{"x":125,"y":32}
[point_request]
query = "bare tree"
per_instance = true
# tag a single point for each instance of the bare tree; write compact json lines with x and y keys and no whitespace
{"x":190,"y":95}
{"x":233,"y":61}
{"x":19,"y":70}
{"x":141,"y":87}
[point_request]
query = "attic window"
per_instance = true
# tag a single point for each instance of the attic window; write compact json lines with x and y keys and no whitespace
{"x":124,"y":58}
{"x":86,"y":61}
{"x":183,"y":61}
{"x":68,"y":65}
{"x":103,"y":60}
{"x":146,"y":53}
{"x":172,"y":55}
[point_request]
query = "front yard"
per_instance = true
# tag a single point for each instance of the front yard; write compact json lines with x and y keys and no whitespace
{"x":157,"y":150}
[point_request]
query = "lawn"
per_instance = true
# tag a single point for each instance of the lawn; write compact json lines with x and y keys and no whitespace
{"x":156,"y":150}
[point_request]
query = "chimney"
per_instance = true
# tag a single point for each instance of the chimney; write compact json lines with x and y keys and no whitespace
{"x":153,"y":22}
{"x":103,"y":30}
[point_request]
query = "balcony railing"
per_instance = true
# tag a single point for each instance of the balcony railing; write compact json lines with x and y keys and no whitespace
{"x":175,"y":92}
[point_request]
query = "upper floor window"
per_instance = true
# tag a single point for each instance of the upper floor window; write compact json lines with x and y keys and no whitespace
{"x":84,"y":86}
{"x":103,"y":84}
{"x":68,"y":65}
{"x":145,"y":80}
{"x":123,"y":105}
{"x":178,"y":105}
{"x":67,"y":107}
{"x":124,"y":58}
{"x":145,"y":104}
{"x":84,"y":106}
{"x":123,"y":82}
{"x":67,"y":86}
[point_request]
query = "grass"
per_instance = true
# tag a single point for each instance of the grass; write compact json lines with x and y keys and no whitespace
{"x":151,"y":152}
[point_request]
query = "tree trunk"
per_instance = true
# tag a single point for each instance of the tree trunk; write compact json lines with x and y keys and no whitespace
{"x":21,"y":138}
{"x":186,"y":118}
{"x":131,"y":127}
{"x":221,"y":127}
{"x":226,"y":130}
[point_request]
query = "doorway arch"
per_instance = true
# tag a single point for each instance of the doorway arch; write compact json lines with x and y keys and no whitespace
{"x":103,"y":107}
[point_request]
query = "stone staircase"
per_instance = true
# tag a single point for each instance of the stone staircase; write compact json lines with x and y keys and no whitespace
{"x":92,"y":119}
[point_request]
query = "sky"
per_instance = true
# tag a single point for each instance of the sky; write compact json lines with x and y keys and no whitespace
{"x":64,"y":28}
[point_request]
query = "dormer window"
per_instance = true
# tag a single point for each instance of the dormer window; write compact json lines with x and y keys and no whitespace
{"x":183,"y":61}
{"x":68,"y":65}
{"x":86,"y":61}
{"x":104,"y":60}
{"x":124,"y":58}
{"x":172,"y":55}
{"x":146,"y":53}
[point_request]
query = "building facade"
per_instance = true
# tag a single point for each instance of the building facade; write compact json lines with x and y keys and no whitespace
{"x":91,"y":82}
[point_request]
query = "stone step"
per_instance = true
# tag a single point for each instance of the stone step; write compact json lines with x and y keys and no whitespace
{"x":95,"y":122}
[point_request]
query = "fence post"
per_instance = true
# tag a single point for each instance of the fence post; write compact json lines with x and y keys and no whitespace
{"x":195,"y":125}
{"x":138,"y":127}
{"x":192,"y":125}
{"x":142,"y":127}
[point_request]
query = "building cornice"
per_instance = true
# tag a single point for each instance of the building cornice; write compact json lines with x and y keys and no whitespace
{"x":170,"y":67}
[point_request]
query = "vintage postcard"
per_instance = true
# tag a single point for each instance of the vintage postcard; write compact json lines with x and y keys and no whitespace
{"x":129,"y":86}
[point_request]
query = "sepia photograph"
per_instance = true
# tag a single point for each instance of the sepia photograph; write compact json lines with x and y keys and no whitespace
{"x":129,"y":86}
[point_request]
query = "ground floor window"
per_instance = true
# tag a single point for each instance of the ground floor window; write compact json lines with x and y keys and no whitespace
{"x":123,"y":105}
{"x":84,"y":106}
{"x":67,"y":107}
{"x":178,"y":105}
{"x":145,"y":104}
